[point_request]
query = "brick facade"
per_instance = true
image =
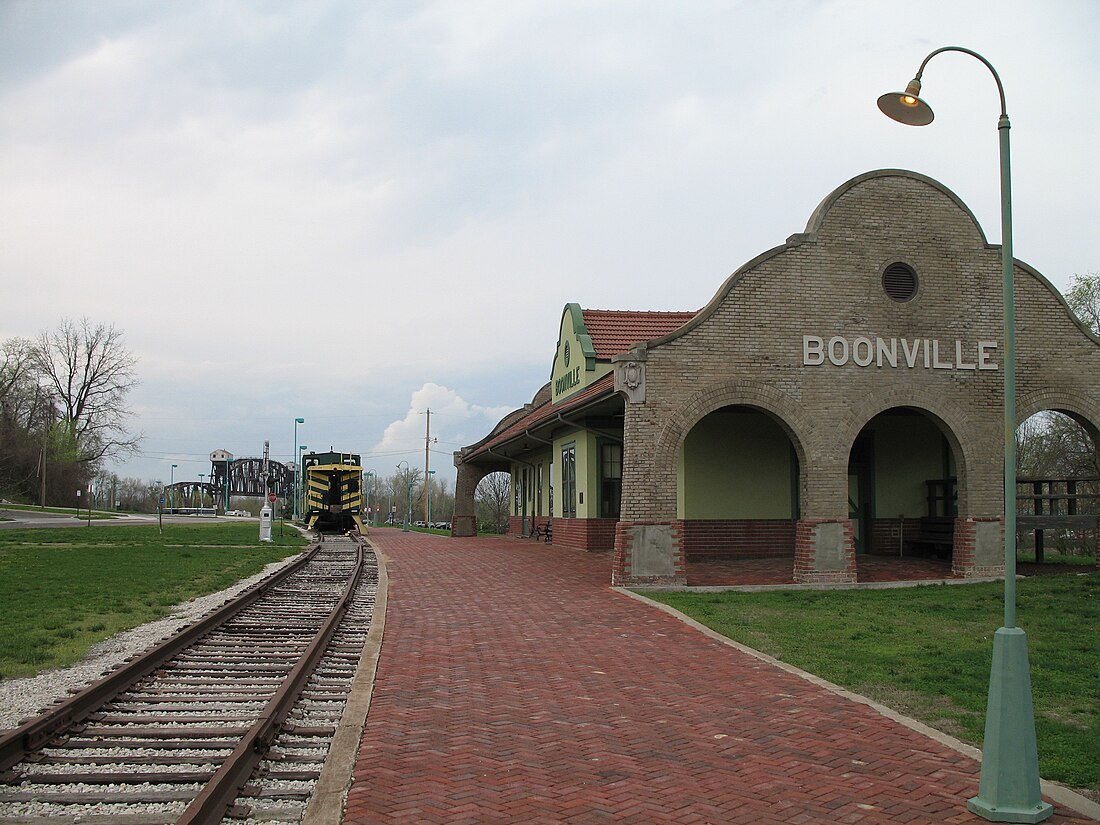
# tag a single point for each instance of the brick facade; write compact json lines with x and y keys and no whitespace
{"x":746,"y":348}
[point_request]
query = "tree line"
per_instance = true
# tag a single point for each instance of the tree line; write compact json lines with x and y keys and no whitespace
{"x":404,"y":492}
{"x":63,"y":410}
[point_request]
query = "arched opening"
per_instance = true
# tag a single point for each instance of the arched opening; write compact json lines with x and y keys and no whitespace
{"x":1057,"y":491}
{"x":902,"y":490}
{"x":492,"y":498}
{"x":737,"y":491}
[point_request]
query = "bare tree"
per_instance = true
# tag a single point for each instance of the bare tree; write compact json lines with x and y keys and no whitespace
{"x":1084,"y":299}
{"x":492,"y":496}
{"x":90,"y":372}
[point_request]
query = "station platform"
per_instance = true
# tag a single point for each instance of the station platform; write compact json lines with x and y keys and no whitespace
{"x":515,"y":685}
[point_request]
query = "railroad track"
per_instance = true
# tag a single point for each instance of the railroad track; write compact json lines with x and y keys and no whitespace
{"x":230,"y":717}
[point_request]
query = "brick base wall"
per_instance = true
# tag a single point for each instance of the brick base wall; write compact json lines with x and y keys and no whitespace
{"x":737,"y":539}
{"x":592,"y":534}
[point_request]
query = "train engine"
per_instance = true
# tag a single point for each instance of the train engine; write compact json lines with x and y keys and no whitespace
{"x":334,"y":492}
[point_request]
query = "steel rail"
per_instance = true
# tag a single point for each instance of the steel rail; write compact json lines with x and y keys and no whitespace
{"x":31,"y":736}
{"x":211,"y":804}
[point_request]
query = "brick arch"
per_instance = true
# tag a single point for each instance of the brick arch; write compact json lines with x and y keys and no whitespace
{"x":1078,"y":406}
{"x":466,"y":481}
{"x":949,"y":417}
{"x":782,"y":407}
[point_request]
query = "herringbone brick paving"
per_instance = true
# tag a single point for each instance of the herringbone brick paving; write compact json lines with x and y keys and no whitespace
{"x":515,"y":686}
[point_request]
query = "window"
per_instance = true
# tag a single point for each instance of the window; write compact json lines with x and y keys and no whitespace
{"x":611,"y":479}
{"x":569,"y":481}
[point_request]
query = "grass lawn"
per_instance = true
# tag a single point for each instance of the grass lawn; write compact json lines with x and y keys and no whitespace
{"x":63,"y":590}
{"x":926,"y":651}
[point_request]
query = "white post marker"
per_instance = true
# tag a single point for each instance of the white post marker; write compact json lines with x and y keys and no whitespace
{"x":265,"y":523}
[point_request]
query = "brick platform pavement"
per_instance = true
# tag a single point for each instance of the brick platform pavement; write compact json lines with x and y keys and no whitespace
{"x":515,"y":686}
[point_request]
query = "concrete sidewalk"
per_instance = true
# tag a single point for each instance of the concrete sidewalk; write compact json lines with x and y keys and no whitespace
{"x":515,"y":686}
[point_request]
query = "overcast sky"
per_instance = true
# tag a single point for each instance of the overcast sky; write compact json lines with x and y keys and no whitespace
{"x":356,"y":211}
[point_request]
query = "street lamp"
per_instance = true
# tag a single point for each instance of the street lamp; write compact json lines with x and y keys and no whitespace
{"x":298,"y":493}
{"x":202,"y":497}
{"x":172,"y":488}
{"x":1009,"y":789}
{"x":408,"y":496}
{"x":297,"y":462}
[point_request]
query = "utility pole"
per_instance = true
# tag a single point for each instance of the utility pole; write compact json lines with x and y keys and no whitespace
{"x":427,"y":475}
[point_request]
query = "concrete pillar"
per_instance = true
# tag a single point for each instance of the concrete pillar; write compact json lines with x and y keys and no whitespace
{"x":979,"y":549}
{"x":648,"y":552}
{"x":824,"y":551}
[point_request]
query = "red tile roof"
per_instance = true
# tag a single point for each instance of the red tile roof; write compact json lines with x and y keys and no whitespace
{"x":539,"y":415}
{"x":615,"y":331}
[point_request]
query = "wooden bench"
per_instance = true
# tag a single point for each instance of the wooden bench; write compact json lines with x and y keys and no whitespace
{"x":546,"y":531}
{"x":936,"y":536}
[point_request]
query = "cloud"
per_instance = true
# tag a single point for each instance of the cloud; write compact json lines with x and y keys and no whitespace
{"x":455,"y":423}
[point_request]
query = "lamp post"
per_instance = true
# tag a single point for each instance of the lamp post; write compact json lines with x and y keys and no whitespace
{"x":297,"y":462}
{"x":1009,"y":789}
{"x":299,"y":493}
{"x":408,"y":496}
{"x":371,"y":517}
{"x":202,"y":496}
{"x":172,"y":488}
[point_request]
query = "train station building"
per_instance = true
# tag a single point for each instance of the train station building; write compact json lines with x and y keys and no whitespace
{"x":839,"y":398}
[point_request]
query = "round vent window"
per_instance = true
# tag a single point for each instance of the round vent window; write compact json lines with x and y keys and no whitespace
{"x":899,"y":282}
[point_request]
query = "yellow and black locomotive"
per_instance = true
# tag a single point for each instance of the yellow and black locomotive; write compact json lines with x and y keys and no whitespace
{"x":334,"y":492}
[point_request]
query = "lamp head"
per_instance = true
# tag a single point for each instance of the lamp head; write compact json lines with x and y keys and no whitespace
{"x":905,"y":107}
{"x":299,"y":421}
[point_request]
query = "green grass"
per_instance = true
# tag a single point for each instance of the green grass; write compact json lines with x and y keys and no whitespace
{"x":63,"y":590}
{"x":927,"y":651}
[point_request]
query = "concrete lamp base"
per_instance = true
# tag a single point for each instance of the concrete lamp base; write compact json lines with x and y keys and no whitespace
{"x":1009,"y":788}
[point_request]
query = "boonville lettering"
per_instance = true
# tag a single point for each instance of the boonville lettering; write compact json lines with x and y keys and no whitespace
{"x":568,"y":381}
{"x":929,"y":353}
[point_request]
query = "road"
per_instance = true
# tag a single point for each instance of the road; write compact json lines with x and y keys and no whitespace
{"x":20,"y":519}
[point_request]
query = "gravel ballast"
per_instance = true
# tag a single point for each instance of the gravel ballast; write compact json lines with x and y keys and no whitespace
{"x":22,"y":698}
